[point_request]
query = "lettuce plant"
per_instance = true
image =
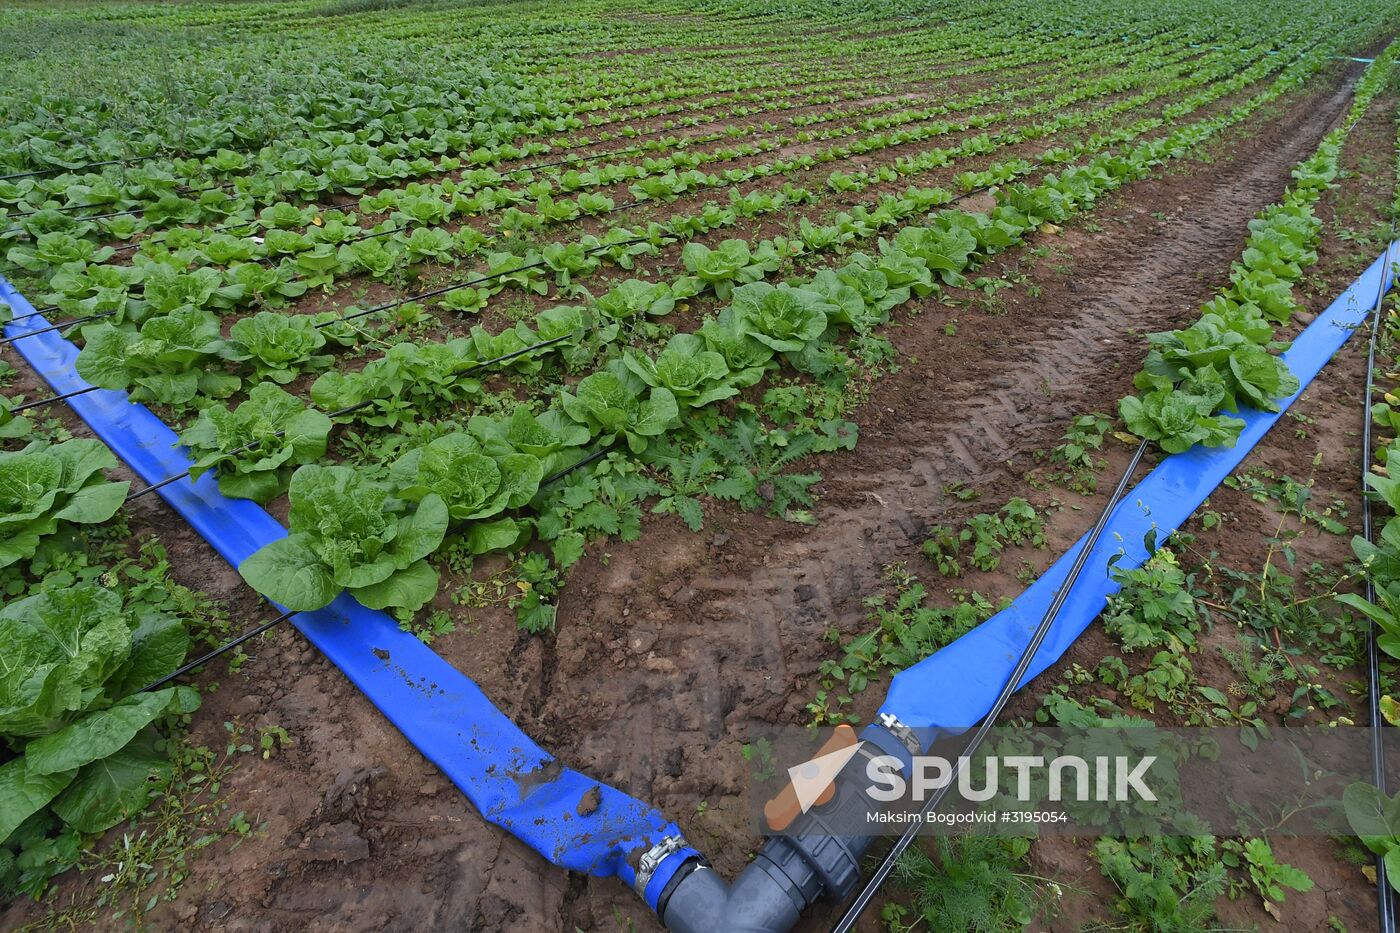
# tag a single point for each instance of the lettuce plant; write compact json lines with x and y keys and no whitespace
{"x":568,"y":260}
{"x":43,"y":486}
{"x":286,"y":434}
{"x":166,"y":361}
{"x":86,"y":744}
{"x":402,"y":383}
{"x":476,"y":481}
{"x":546,"y":436}
{"x":783,"y":317}
{"x":168,"y":290}
{"x":694,"y":375}
{"x":729,"y":264}
{"x":12,"y":425}
{"x":376,"y":258}
{"x":278,"y":346}
{"x":848,"y":303}
{"x":636,"y":297}
{"x":427,"y":244}
{"x":55,"y":249}
{"x":269,"y":287}
{"x":616,"y":403}
{"x":1178,"y":420}
{"x":348,"y":532}
{"x":747,"y":358}
{"x":945,"y":252}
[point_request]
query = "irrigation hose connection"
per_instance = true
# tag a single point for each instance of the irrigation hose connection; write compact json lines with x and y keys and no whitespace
{"x":1385,"y":900}
{"x":872,"y":887}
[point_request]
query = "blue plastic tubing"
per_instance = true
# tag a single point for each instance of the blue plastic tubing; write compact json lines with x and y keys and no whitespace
{"x":511,"y":780}
{"x":505,"y":775}
{"x":953,"y":689}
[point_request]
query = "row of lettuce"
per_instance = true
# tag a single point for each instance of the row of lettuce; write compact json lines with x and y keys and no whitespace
{"x":230,"y":183}
{"x":482,"y":482}
{"x":83,"y":743}
{"x":279,"y":264}
{"x":1195,"y":378}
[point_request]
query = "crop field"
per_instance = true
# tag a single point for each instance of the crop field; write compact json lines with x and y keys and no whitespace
{"x":652,"y":375}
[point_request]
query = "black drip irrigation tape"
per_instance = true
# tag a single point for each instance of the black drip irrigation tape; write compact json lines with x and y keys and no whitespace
{"x":434,"y":293}
{"x":178,"y":189}
{"x":273,"y":623}
{"x":60,"y":169}
{"x":1385,"y":899}
{"x":37,"y":403}
{"x":862,"y":901}
{"x":222,"y":649}
{"x":61,"y":325}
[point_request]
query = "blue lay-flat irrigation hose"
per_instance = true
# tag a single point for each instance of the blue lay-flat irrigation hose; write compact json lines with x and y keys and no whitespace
{"x":512,"y":781}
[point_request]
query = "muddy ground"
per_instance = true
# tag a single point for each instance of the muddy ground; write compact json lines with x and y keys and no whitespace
{"x":669,"y":650}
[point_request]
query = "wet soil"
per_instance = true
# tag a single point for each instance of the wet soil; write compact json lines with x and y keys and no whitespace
{"x":670,"y":649}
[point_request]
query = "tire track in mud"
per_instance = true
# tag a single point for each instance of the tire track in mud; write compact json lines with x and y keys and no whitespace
{"x":702,"y":635}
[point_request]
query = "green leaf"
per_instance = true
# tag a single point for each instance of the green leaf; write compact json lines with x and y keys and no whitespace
{"x":1366,"y":809}
{"x":94,"y":504}
{"x":96,"y":735}
{"x":497,"y":535}
{"x":158,"y":646}
{"x":410,"y":589}
{"x":422,"y":532}
{"x":288,"y":572}
{"x":116,"y":787}
{"x":22,"y":793}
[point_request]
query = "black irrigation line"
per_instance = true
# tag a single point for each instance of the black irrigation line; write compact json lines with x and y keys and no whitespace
{"x":59,"y":169}
{"x":1385,"y":900}
{"x":178,"y":189}
{"x":273,"y":623}
{"x":222,"y":649}
{"x":350,"y":409}
{"x":53,"y":398}
{"x":434,"y":293}
{"x":853,"y":913}
{"x":62,"y":325}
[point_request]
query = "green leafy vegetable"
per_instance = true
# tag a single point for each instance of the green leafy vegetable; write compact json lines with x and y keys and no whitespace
{"x":348,"y":532}
{"x":166,"y":361}
{"x":255,"y":447}
{"x":42,"y":487}
{"x":617,"y":403}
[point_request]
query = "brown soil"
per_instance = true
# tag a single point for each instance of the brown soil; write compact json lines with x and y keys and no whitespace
{"x":669,"y":649}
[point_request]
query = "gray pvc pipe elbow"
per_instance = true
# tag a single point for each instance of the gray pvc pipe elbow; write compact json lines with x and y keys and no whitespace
{"x":757,"y":902}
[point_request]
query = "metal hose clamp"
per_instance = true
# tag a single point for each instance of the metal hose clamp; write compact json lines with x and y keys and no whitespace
{"x":652,"y":859}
